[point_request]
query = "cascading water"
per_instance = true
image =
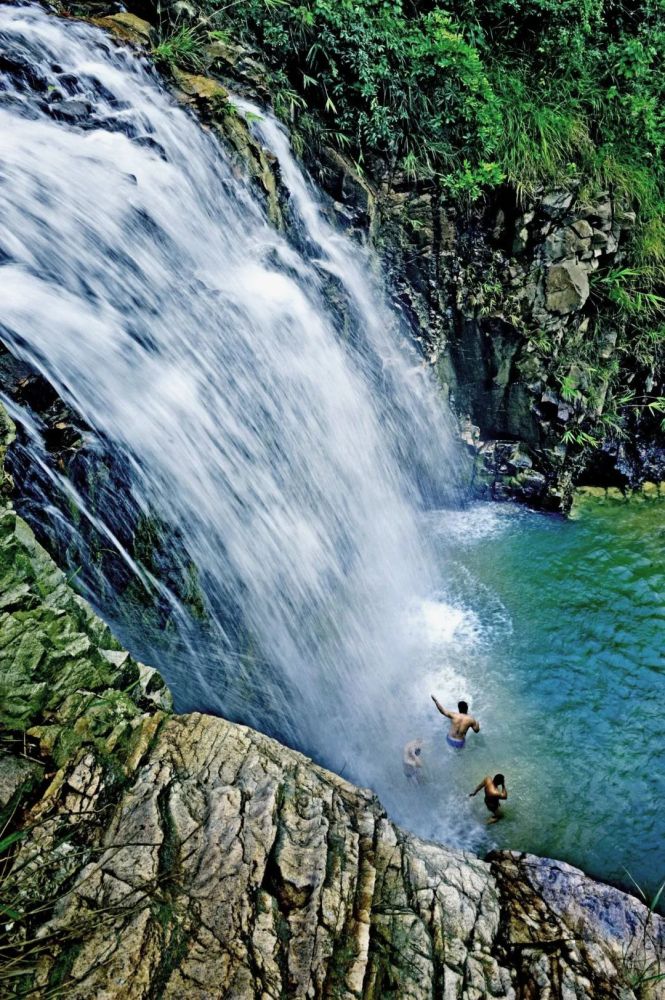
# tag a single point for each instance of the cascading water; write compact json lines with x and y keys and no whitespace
{"x":257,"y":402}
{"x":140,"y":276}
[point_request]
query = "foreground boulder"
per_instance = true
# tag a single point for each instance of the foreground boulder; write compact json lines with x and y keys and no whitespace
{"x":230,"y":866}
{"x":149,"y":855}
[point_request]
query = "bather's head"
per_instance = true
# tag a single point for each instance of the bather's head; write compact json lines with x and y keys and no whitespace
{"x":463,"y":707}
{"x":499,"y":780}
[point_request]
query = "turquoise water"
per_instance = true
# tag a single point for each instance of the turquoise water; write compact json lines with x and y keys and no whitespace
{"x":556,"y":637}
{"x":325,"y":622}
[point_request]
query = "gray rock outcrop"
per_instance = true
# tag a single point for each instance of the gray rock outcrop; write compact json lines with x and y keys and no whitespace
{"x":566,"y":287}
{"x":152,"y":855}
{"x":250,"y":872}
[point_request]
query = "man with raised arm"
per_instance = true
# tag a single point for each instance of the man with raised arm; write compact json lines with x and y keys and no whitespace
{"x":460,"y":723}
{"x":495,"y":793}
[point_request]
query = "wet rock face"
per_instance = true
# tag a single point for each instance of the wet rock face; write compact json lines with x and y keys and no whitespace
{"x":187,"y":856}
{"x":484,"y":289}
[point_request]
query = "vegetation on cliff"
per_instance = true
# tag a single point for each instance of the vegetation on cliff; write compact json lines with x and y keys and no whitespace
{"x":476,"y":99}
{"x":475,"y":93}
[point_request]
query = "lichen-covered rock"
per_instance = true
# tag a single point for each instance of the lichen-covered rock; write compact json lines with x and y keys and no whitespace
{"x":281,"y":879}
{"x":127,"y":27}
{"x":17,"y":776}
{"x":64,"y":680}
{"x":548,"y":908}
{"x":203,"y":88}
{"x":566,"y":287}
{"x":230,"y":866}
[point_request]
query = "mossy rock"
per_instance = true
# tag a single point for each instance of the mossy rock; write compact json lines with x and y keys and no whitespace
{"x":63,"y":676}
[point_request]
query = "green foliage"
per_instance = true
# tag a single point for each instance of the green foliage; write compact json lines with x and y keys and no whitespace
{"x":535,"y":92}
{"x":579,"y":437}
{"x":640,"y":972}
{"x":407,"y":87}
{"x":635,"y":293}
{"x":632,"y":291}
{"x":181,"y":46}
{"x":545,"y":136}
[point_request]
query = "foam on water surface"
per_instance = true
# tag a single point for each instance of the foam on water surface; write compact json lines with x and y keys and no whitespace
{"x":263,"y":398}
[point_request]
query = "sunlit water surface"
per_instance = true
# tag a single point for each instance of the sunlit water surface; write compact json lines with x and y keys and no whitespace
{"x":555,"y":634}
{"x":295,"y":447}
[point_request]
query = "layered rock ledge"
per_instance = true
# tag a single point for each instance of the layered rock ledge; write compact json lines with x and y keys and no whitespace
{"x":150,"y":855}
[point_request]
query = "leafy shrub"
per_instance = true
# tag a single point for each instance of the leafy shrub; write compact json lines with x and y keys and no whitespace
{"x":535,"y":91}
{"x":409,"y":89}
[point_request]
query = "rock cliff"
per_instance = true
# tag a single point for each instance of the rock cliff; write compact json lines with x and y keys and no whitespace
{"x":521,"y":301}
{"x":515,"y":300}
{"x":151,"y":855}
{"x":512,"y":303}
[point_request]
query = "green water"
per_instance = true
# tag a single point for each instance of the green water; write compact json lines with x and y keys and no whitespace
{"x":559,"y":647}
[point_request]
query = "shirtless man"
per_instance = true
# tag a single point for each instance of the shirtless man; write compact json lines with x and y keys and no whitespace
{"x":495,"y":793}
{"x":412,"y":761}
{"x":460,"y":723}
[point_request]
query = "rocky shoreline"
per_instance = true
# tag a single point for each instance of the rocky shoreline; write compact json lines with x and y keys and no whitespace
{"x":153,"y":855}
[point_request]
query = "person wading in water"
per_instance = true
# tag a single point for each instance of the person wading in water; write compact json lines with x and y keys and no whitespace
{"x":412,"y":761}
{"x":460,"y":723}
{"x":495,"y":793}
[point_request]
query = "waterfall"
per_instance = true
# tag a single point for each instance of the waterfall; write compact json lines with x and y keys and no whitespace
{"x":292,"y":453}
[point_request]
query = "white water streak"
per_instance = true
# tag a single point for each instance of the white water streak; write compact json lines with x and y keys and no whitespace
{"x":152,"y":292}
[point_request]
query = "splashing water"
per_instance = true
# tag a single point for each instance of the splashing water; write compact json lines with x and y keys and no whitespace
{"x":263,"y":404}
{"x":140,"y":276}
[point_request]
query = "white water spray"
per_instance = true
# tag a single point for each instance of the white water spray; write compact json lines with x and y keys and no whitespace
{"x":140,"y":276}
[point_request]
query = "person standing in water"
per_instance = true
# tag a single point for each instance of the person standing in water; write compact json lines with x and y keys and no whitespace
{"x":412,"y":761}
{"x":460,"y":723}
{"x":495,"y":793}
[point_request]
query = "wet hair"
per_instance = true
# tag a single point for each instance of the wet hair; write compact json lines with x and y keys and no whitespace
{"x":499,"y":780}
{"x":417,"y":751}
{"x":463,"y":707}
